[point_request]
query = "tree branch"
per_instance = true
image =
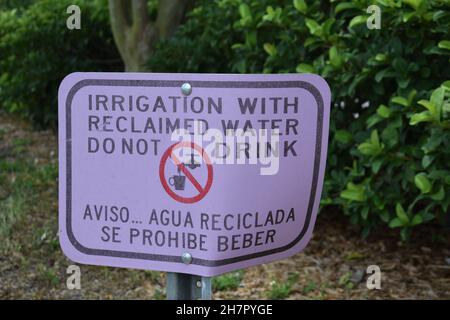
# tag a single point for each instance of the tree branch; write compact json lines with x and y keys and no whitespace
{"x":170,"y":15}
{"x":135,"y":35}
{"x":120,"y":23}
{"x":141,"y":18}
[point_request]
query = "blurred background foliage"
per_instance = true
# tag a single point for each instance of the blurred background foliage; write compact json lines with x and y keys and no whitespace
{"x":37,"y":51}
{"x":389,"y":148}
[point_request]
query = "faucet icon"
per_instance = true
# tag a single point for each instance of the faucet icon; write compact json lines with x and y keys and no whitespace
{"x":193,"y":164}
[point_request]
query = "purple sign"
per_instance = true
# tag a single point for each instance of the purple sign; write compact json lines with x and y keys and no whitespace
{"x":191,"y":173}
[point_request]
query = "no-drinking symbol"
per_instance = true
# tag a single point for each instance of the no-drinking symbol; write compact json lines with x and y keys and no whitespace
{"x":176,"y":184}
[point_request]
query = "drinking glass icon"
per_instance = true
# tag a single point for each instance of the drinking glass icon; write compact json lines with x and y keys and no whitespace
{"x":178,"y":181}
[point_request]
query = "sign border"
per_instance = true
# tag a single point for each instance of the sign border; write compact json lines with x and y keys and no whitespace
{"x":195,"y":84}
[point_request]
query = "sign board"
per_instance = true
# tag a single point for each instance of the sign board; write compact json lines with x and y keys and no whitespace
{"x":193,"y":173}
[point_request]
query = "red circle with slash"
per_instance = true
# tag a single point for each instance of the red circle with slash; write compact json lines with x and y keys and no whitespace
{"x":202,"y":190}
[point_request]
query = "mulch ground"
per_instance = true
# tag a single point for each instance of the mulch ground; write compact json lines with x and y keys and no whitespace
{"x":333,"y":266}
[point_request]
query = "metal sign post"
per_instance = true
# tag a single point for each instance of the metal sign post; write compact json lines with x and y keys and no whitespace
{"x":181,"y":286}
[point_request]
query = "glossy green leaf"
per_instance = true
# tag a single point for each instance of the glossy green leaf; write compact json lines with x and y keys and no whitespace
{"x":352,"y":195}
{"x":301,"y":5}
{"x":437,"y":99}
{"x":401,"y":101}
{"x":428,"y":105}
{"x":446,"y":85}
{"x":424,"y":116}
{"x":314,"y":27}
{"x":244,"y":11}
{"x":415,"y":4}
{"x":417,"y":219}
{"x":384,"y":111}
{"x":422,"y":182}
{"x":384,"y":215}
{"x":270,"y":49}
{"x":365,"y":213}
{"x":396,"y":223}
{"x":335,"y":59}
{"x":343,"y":136}
{"x":357,"y":20}
{"x":381,"y":57}
{"x":345,"y":6}
{"x":368,"y":149}
{"x":354,"y":192}
{"x":444,"y":44}
{"x":304,"y":68}
{"x":401,"y":214}
{"x":374,"y":138}
{"x":438,"y":196}
{"x":376,"y":165}
{"x":427,"y":160}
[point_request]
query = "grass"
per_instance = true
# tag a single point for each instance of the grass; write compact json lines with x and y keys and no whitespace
{"x":20,"y":183}
{"x":282,"y":290}
{"x":48,"y":275}
{"x":11,"y":208}
{"x":46,"y":237}
{"x":20,"y":145}
{"x":26,"y":188}
{"x":23,"y":181}
{"x":354,"y":255}
{"x":153,"y":276}
{"x":14,"y":194}
{"x":345,"y":280}
{"x":2,"y":133}
{"x":310,"y":286}
{"x":228,"y":281}
{"x":159,"y":294}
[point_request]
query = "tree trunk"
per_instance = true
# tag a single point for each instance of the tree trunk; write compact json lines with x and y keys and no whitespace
{"x":134,"y":32}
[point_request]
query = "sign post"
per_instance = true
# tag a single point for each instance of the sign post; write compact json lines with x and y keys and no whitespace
{"x":181,"y":286}
{"x":192,"y":174}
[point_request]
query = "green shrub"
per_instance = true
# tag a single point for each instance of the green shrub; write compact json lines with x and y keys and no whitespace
{"x":15,"y":4}
{"x":388,"y":152}
{"x":204,"y":43}
{"x":37,"y":51}
{"x":400,"y":173}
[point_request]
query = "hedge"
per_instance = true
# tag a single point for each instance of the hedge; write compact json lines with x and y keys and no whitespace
{"x":37,"y":51}
{"x":388,"y":160}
